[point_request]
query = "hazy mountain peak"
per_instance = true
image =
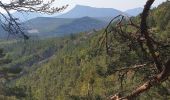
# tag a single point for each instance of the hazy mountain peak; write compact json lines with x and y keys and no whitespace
{"x":134,"y":11}
{"x":81,"y":11}
{"x":81,"y":6}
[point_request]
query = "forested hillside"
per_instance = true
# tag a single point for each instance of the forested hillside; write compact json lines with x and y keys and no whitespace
{"x":59,"y":27}
{"x":77,"y":67}
{"x":160,"y":17}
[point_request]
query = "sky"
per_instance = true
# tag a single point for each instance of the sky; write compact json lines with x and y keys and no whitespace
{"x":122,"y":5}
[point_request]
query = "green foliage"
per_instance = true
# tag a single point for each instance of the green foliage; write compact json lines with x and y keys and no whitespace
{"x":5,"y":75}
{"x":77,"y":68}
{"x":160,"y":16}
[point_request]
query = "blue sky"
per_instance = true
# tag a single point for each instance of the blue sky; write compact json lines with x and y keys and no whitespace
{"x":117,"y":4}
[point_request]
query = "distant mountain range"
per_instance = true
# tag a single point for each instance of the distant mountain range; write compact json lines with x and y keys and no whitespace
{"x":134,"y":12}
{"x":24,"y":16}
{"x":3,"y":33}
{"x":82,"y":11}
{"x":79,"y":19}
{"x":46,"y":26}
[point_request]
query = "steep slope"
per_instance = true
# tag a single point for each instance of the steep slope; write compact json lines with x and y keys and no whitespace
{"x":30,"y":53}
{"x":67,"y":75}
{"x":75,"y":73}
{"x":161,"y":17}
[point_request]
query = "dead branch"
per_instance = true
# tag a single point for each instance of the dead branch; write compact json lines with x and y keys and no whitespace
{"x":130,"y":68}
{"x":144,"y":31}
{"x":147,"y":85}
{"x":164,"y":69}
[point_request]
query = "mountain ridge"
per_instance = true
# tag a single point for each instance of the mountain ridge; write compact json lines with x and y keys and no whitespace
{"x":81,"y":11}
{"x":104,"y":15}
{"x":48,"y":26}
{"x":134,"y":11}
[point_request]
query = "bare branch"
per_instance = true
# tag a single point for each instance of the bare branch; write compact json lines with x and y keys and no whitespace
{"x":12,"y":25}
{"x":164,"y":69}
{"x":131,"y":68}
{"x":147,"y":85}
{"x":144,"y":31}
